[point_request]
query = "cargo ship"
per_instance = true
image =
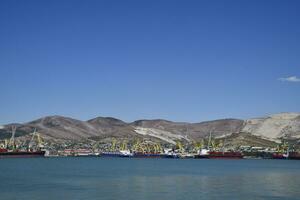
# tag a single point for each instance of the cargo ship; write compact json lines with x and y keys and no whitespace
{"x":170,"y":155}
{"x":79,"y":153}
{"x":289,"y":155}
{"x":5,"y":153}
{"x":147,"y":155}
{"x":10,"y":149}
{"x":206,"y":154}
{"x":121,"y":153}
{"x":211,"y":152}
{"x":282,"y":151}
{"x":154,"y":155}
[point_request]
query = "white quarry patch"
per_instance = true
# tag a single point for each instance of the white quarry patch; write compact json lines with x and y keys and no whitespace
{"x":223,"y":136}
{"x":1,"y":127}
{"x":275,"y":126}
{"x":160,"y":134}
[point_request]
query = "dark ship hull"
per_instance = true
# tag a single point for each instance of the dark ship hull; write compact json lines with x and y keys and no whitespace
{"x":147,"y":155}
{"x":170,"y":156}
{"x":21,"y":154}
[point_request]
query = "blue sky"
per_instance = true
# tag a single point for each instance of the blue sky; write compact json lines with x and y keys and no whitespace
{"x":178,"y":60}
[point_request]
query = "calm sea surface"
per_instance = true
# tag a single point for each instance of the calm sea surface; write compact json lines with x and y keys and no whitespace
{"x":149,"y":179}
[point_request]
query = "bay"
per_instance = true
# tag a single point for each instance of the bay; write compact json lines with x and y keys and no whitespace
{"x":92,"y":178}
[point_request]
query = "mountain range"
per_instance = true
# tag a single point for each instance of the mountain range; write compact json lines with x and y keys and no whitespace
{"x":273,"y":127}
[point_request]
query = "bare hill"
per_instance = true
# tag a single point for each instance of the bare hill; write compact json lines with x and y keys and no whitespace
{"x":284,"y":125}
{"x":188,"y":131}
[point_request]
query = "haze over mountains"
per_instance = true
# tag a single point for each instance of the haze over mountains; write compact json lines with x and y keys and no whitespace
{"x":283,"y":125}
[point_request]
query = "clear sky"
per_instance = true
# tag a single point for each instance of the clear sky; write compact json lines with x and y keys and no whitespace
{"x":177,"y":60}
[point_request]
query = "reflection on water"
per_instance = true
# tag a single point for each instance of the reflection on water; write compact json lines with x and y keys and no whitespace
{"x":96,"y":178}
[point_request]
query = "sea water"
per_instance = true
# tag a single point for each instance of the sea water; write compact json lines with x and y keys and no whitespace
{"x":147,"y":179}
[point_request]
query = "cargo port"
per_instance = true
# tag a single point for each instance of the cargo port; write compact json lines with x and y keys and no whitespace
{"x":207,"y":148}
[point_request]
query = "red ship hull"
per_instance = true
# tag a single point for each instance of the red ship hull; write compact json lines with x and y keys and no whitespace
{"x":294,"y":156}
{"x":278,"y":156}
{"x":221,"y":155}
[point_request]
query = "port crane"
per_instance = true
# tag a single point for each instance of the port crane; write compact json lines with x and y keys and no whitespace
{"x":283,"y":147}
{"x":124,"y":146}
{"x":36,"y":139}
{"x":146,"y":147}
{"x":179,"y":147}
{"x":11,"y":143}
{"x":198,"y":145}
{"x":113,"y":146}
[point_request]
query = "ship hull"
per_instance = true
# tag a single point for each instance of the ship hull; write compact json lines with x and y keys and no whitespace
{"x":170,"y":156}
{"x":220,"y":155}
{"x":294,"y":156}
{"x":20,"y":154}
{"x":257,"y":155}
{"x":279,"y":156}
{"x":148,"y":155}
{"x":114,"y":154}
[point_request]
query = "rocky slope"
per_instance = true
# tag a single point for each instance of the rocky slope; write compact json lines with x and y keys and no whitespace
{"x":172,"y":131}
{"x":284,"y":125}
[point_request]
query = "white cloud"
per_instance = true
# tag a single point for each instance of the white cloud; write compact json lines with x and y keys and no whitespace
{"x":290,"y":79}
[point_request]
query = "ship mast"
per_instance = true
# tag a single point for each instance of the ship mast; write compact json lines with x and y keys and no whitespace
{"x":223,"y":148}
{"x":209,"y":139}
{"x":35,"y":140}
{"x":12,"y":139}
{"x":32,"y":138}
{"x":225,"y":140}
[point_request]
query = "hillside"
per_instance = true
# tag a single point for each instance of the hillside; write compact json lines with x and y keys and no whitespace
{"x":172,"y":131}
{"x":284,"y":125}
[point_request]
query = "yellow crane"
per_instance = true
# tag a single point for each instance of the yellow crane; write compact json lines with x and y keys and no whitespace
{"x":158,"y":148}
{"x":197,"y":146}
{"x":113,"y":146}
{"x":136,"y":145}
{"x":179,"y":146}
{"x":283,"y":147}
{"x":212,"y":143}
{"x":146,"y":147}
{"x":124,"y":146}
{"x":36,"y":140}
